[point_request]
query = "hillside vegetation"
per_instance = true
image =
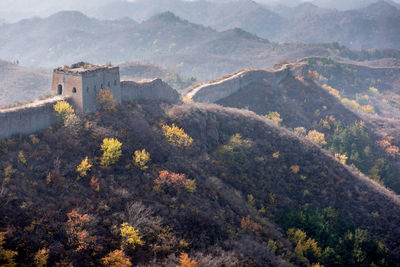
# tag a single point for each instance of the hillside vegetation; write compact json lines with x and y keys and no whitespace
{"x":341,"y":125}
{"x":376,"y":86}
{"x":152,"y":184}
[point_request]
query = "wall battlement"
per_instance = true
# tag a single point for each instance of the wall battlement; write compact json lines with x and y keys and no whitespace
{"x":79,"y":84}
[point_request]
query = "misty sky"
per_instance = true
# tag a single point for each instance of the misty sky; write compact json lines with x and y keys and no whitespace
{"x":14,"y":10}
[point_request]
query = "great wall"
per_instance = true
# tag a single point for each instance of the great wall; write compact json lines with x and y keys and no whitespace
{"x":213,"y":91}
{"x":79,"y":85}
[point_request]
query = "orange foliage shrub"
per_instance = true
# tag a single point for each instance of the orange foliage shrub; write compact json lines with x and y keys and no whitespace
{"x":390,"y":149}
{"x":94,"y":184}
{"x":77,"y":235}
{"x":116,"y":258}
{"x":171,"y":178}
{"x":185,"y":261}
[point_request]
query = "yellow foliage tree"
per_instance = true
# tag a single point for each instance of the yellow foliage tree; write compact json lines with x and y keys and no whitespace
{"x":21,"y":157}
{"x":305,"y":247}
{"x":176,"y":136}
{"x":83,"y":168}
{"x":106,"y":100}
{"x":6,"y":256}
{"x":41,"y":257}
{"x":116,"y":258}
{"x":185,"y":261}
{"x":274,"y":116}
{"x":332,"y":91}
{"x":141,"y":158}
{"x":63,"y":109}
{"x":374,"y":90}
{"x":295,"y":169}
{"x":316,"y":137}
{"x":130,"y":236}
{"x":341,"y":158}
{"x":111,"y":148}
{"x":368,"y":109}
{"x":187,"y":100}
{"x":313,"y":75}
{"x":190,"y":185}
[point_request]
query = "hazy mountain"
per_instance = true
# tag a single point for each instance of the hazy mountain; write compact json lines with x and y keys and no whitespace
{"x":300,"y":11}
{"x":375,"y":26}
{"x":165,"y":40}
{"x":141,"y":71}
{"x":381,"y":9}
{"x":306,"y":22}
{"x":346,"y":4}
{"x":19,"y":84}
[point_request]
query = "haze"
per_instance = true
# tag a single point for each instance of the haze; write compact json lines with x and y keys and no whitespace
{"x":15,"y":10}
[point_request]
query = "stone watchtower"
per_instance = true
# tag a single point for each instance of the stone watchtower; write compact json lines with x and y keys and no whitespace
{"x":82,"y":81}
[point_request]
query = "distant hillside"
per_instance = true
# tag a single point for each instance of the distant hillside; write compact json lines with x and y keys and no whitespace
{"x":291,"y":97}
{"x":164,"y":40}
{"x":19,"y":84}
{"x":139,"y":71}
{"x":264,"y":91}
{"x":244,"y":192}
{"x":375,"y":25}
{"x":355,"y":81}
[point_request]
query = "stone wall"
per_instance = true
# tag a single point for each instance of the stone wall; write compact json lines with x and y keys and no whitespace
{"x":152,"y":90}
{"x":214,"y":91}
{"x":28,"y":118}
{"x":39,"y":115}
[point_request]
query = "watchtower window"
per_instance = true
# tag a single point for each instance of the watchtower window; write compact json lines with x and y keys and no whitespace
{"x":115,"y":82}
{"x":87,"y":89}
{"x":102,"y":87}
{"x":95,"y":88}
{"x":74,"y":90}
{"x":59,"y":89}
{"x":109,"y":84}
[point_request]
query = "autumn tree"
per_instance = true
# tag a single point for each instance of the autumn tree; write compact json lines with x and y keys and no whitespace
{"x":176,"y":136}
{"x":106,"y":100}
{"x":66,"y":114}
{"x":141,"y":158}
{"x":304,"y":247}
{"x":6,"y":256}
{"x":130,"y":236}
{"x":116,"y":258}
{"x":274,"y":116}
{"x":316,"y":137}
{"x":78,"y":236}
{"x":111,"y":151}
{"x":83,"y":168}
{"x":341,"y":158}
{"x":175,"y":179}
{"x":63,"y":109}
{"x":41,"y":257}
{"x":185,"y":261}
